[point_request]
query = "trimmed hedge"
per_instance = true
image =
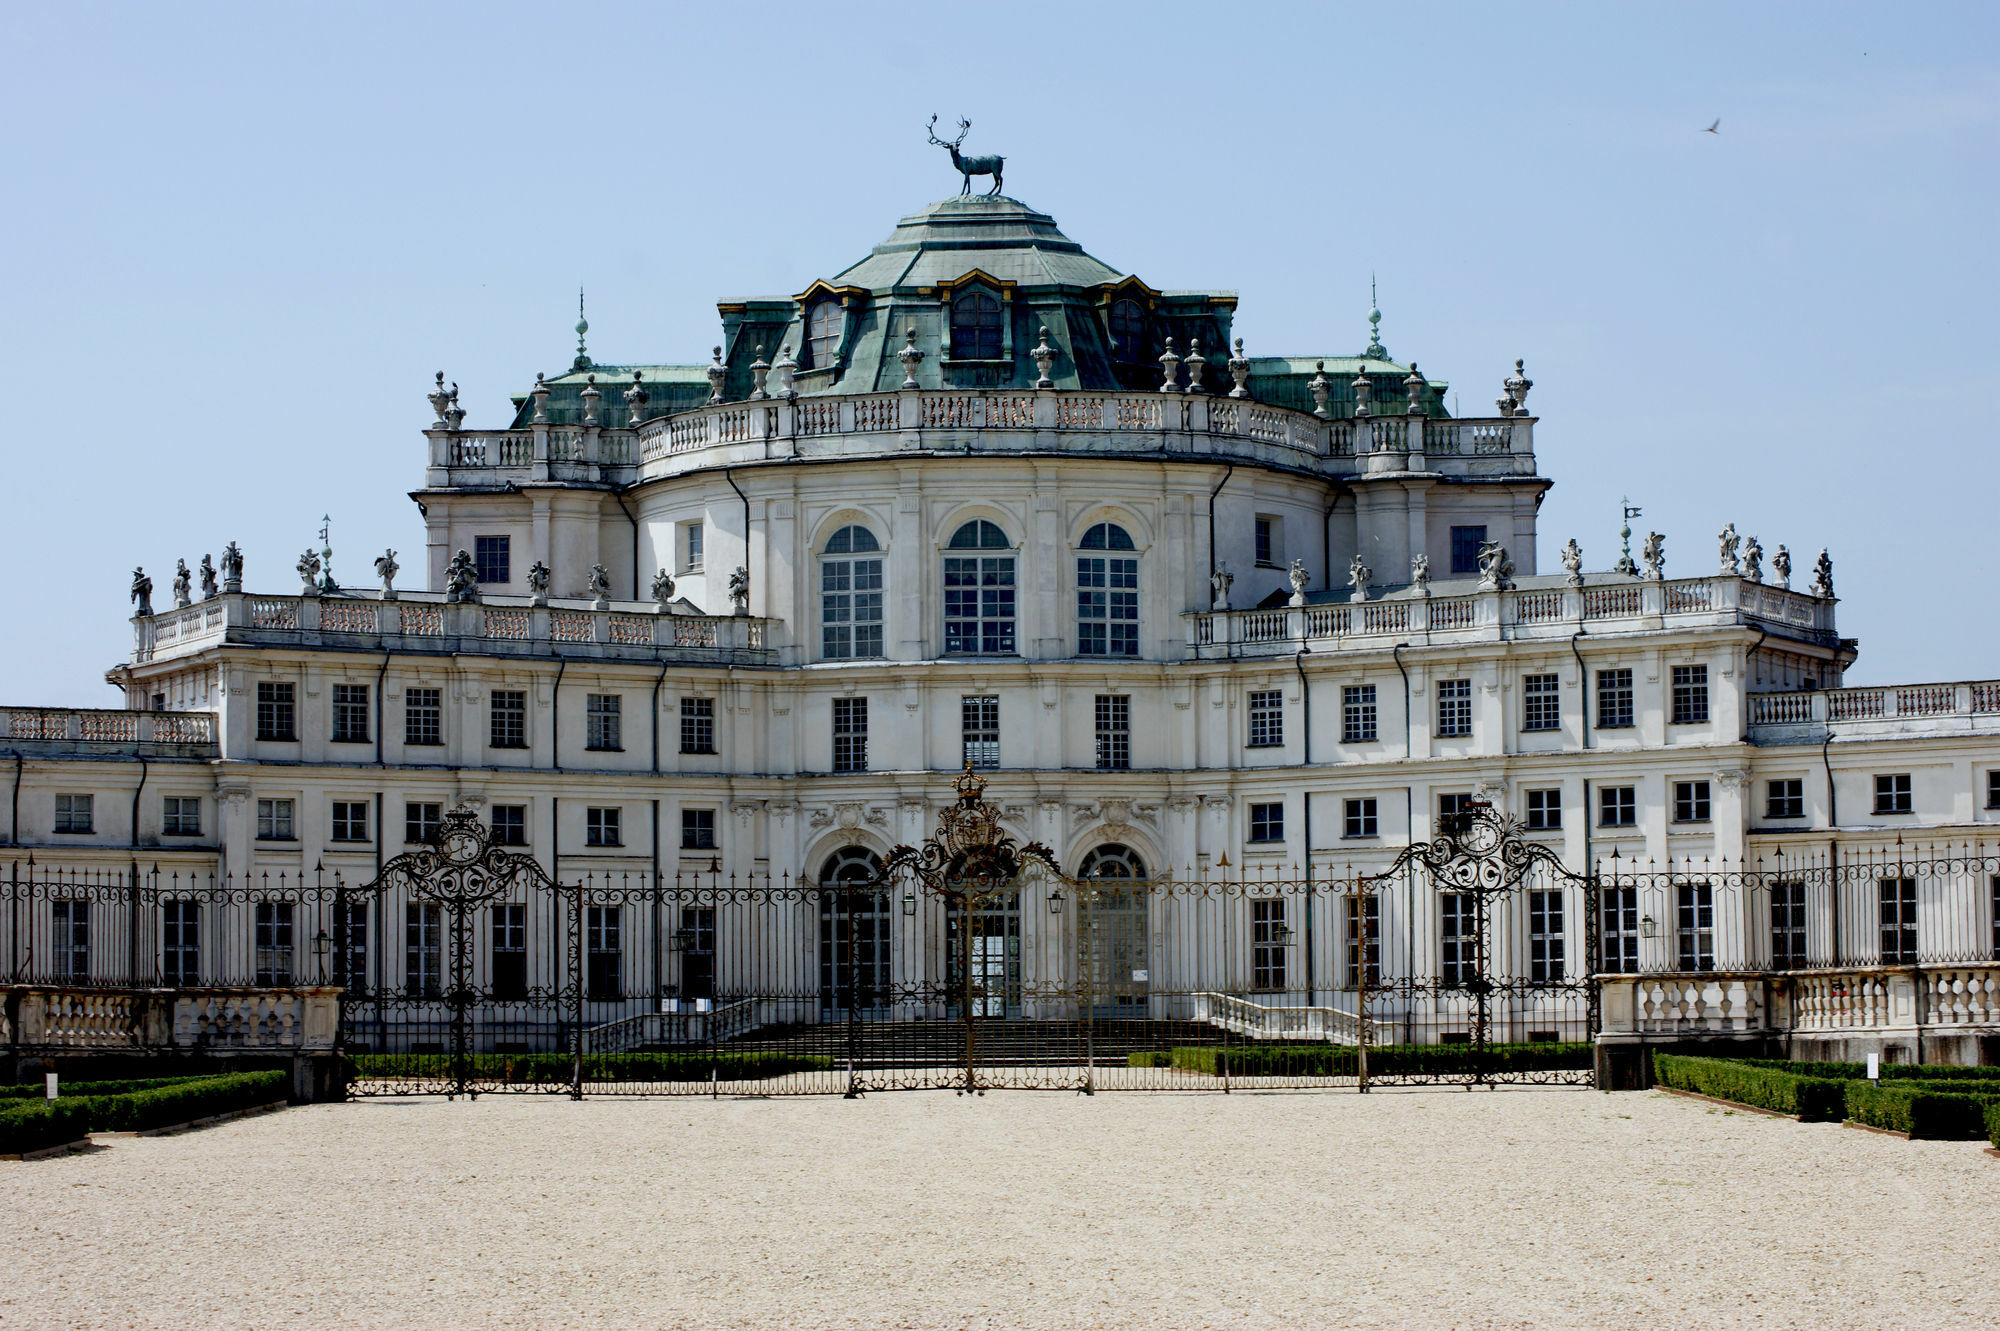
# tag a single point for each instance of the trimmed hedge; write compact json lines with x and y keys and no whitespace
{"x":36,"y":1090}
{"x":1935,"y":1111}
{"x":34,"y":1125}
{"x":1813,"y":1099}
{"x":1887,"y":1071}
{"x":1321,"y":1060}
{"x":1993,"y":1125}
{"x":556,"y":1069}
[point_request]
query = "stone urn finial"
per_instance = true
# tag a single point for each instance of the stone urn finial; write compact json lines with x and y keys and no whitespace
{"x":1517,"y":385}
{"x":540,"y":393}
{"x":1045,"y":358}
{"x":1413,"y":388}
{"x":1239,"y":370}
{"x":440,"y":403}
{"x":1195,"y":365}
{"x":717,"y":372}
{"x":454,"y":415}
{"x":1170,"y":380}
{"x":1363,"y":392}
{"x":636,"y":398}
{"x":760,"y":370}
{"x":590,"y":397}
{"x":911,"y":357}
{"x":1322,"y":389}
{"x":787,"y":368}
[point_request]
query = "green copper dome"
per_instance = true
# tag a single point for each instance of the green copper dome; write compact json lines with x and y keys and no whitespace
{"x":996,"y":235}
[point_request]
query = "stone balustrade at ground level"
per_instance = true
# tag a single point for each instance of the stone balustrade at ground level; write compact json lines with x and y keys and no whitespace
{"x":46,"y":1019}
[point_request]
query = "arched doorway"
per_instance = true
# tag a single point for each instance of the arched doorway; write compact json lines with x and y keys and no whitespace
{"x":853,"y":936}
{"x":1115,"y":930}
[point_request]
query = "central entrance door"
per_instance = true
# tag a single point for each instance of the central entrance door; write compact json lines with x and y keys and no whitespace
{"x":1115,"y":931}
{"x":991,"y":931}
{"x":854,"y":972}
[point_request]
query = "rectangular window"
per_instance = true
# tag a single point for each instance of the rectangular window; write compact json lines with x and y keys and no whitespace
{"x":694,"y":546}
{"x":350,"y":714}
{"x":1270,"y":936}
{"x":510,"y":953}
{"x":1454,"y":708}
{"x":979,"y":731}
{"x":1267,"y":822}
{"x":1107,"y":606}
{"x":1545,"y":937}
{"x":423,"y":716}
{"x":180,"y":944}
{"x":1465,"y":543}
{"x":1694,"y":926}
{"x":1114,"y":732}
{"x":979,"y":605}
{"x":510,"y":824}
{"x":70,"y":925}
{"x":1899,"y":921}
{"x":603,"y":826}
{"x":1691,"y":801}
{"x":1788,"y":926}
{"x":274,"y":820}
{"x":1614,"y":699}
{"x":1690,"y":699}
{"x":1541,"y":702}
{"x":1545,"y":810}
{"x":600,"y":729}
{"x":1357,"y":714}
{"x":1993,"y":789}
{"x":274,"y":944}
{"x":695,"y":940}
{"x":1617,"y":806}
{"x":180,"y":815}
{"x":1892,"y":793}
{"x":1457,"y":930}
{"x":1267,"y":718}
{"x":1453,"y":808}
{"x":350,"y":820}
{"x":850,"y":734}
{"x":421,"y":821}
{"x":277,"y":711}
{"x":350,"y":946}
{"x":75,"y":813}
{"x":1621,"y":929}
{"x":1785,"y":799}
{"x":605,"y":952}
{"x":697,"y":725}
{"x":509,"y":719}
{"x":850,"y":605}
{"x":492,"y":558}
{"x":1364,"y":940}
{"x":697,"y":829}
{"x":1358,"y":818}
{"x":1269,"y":547}
{"x":423,"y":950}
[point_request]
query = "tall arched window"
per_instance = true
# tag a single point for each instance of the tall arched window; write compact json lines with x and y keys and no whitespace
{"x":850,"y":595}
{"x":824,"y":324}
{"x":1128,"y":331}
{"x":975,"y":327}
{"x":1120,"y":969}
{"x":1107,"y":594}
{"x":853,"y":933}
{"x":979,"y":592}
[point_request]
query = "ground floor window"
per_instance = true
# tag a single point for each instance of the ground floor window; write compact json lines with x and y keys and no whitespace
{"x":274,"y":944}
{"x":1621,"y":930}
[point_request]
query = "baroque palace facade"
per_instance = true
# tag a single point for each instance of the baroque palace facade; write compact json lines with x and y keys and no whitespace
{"x":980,"y":499}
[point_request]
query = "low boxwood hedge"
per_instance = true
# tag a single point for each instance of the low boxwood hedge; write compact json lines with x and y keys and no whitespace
{"x":1321,"y":1060}
{"x":1813,"y":1099}
{"x":1886,"y":1071}
{"x":1937,"y":1111}
{"x":31,"y":1125}
{"x":37,"y":1090}
{"x":557,"y":1069}
{"x":1993,"y":1125}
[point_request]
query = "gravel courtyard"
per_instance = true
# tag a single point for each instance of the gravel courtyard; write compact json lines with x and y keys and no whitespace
{"x":1402,"y":1208}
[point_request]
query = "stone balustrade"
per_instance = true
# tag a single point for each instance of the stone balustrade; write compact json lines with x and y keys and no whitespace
{"x":1543,"y":608}
{"x":1893,"y":709}
{"x":989,"y":421}
{"x":85,"y":730}
{"x":284,"y":1021}
{"x":425,"y":622}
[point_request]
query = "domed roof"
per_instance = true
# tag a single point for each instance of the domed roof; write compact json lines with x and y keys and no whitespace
{"x":1000,"y":236}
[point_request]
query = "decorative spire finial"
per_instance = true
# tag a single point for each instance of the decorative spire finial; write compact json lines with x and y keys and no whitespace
{"x":1376,"y":351}
{"x":582,"y":361}
{"x":1625,"y":564}
{"x":326,"y":581}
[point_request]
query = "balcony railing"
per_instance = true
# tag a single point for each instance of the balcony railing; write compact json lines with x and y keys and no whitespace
{"x":1531,"y":612}
{"x":1911,"y":709}
{"x":97,"y":730}
{"x":993,"y":421}
{"x":425,"y":622}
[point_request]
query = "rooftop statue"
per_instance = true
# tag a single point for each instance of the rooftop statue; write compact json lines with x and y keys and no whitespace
{"x":1358,"y":574}
{"x":600,"y":587}
{"x":308,"y":567}
{"x":232,"y":568}
{"x":1726,"y":542}
{"x":1654,"y":552}
{"x":183,"y":586}
{"x":739,"y":590}
{"x":1496,"y":570}
{"x":1753,"y":560}
{"x":1572,"y":558}
{"x":1299,"y":578}
{"x":969,"y":166}
{"x":538,"y":583}
{"x":663,"y":588}
{"x":142,"y":591}
{"x":1219,"y":582}
{"x":385,"y":568}
{"x":1781,"y":565}
{"x":209,"y":590}
{"x":1822,"y":583}
{"x":1420,"y":572}
{"x":461,"y":580}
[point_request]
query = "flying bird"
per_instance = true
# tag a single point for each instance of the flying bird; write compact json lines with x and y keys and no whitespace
{"x":1712,"y":127}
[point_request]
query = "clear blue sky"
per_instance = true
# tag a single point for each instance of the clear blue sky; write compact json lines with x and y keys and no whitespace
{"x":240,"y":240}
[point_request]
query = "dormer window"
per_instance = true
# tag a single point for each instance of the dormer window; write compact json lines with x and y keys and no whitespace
{"x":824,"y":325}
{"x":1128,"y":331}
{"x":975,"y":327}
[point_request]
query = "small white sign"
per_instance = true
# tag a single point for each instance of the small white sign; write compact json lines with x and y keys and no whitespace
{"x":1138,"y":977}
{"x":701,"y":1005}
{"x":52,"y":1086}
{"x":1874,"y":1068}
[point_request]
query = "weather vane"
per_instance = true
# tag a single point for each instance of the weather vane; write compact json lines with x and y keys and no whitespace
{"x":1625,"y":564}
{"x":326,"y":581}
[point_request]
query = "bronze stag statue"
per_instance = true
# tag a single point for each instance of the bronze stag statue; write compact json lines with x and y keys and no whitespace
{"x":969,"y":166}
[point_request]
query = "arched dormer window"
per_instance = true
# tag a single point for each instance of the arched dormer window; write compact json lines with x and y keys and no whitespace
{"x":975,"y":327}
{"x":1107,"y":593}
{"x":825,"y":322}
{"x":1118,"y":933}
{"x":1128,"y":331}
{"x":850,"y":595}
{"x":979,"y":592}
{"x":853,"y":933}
